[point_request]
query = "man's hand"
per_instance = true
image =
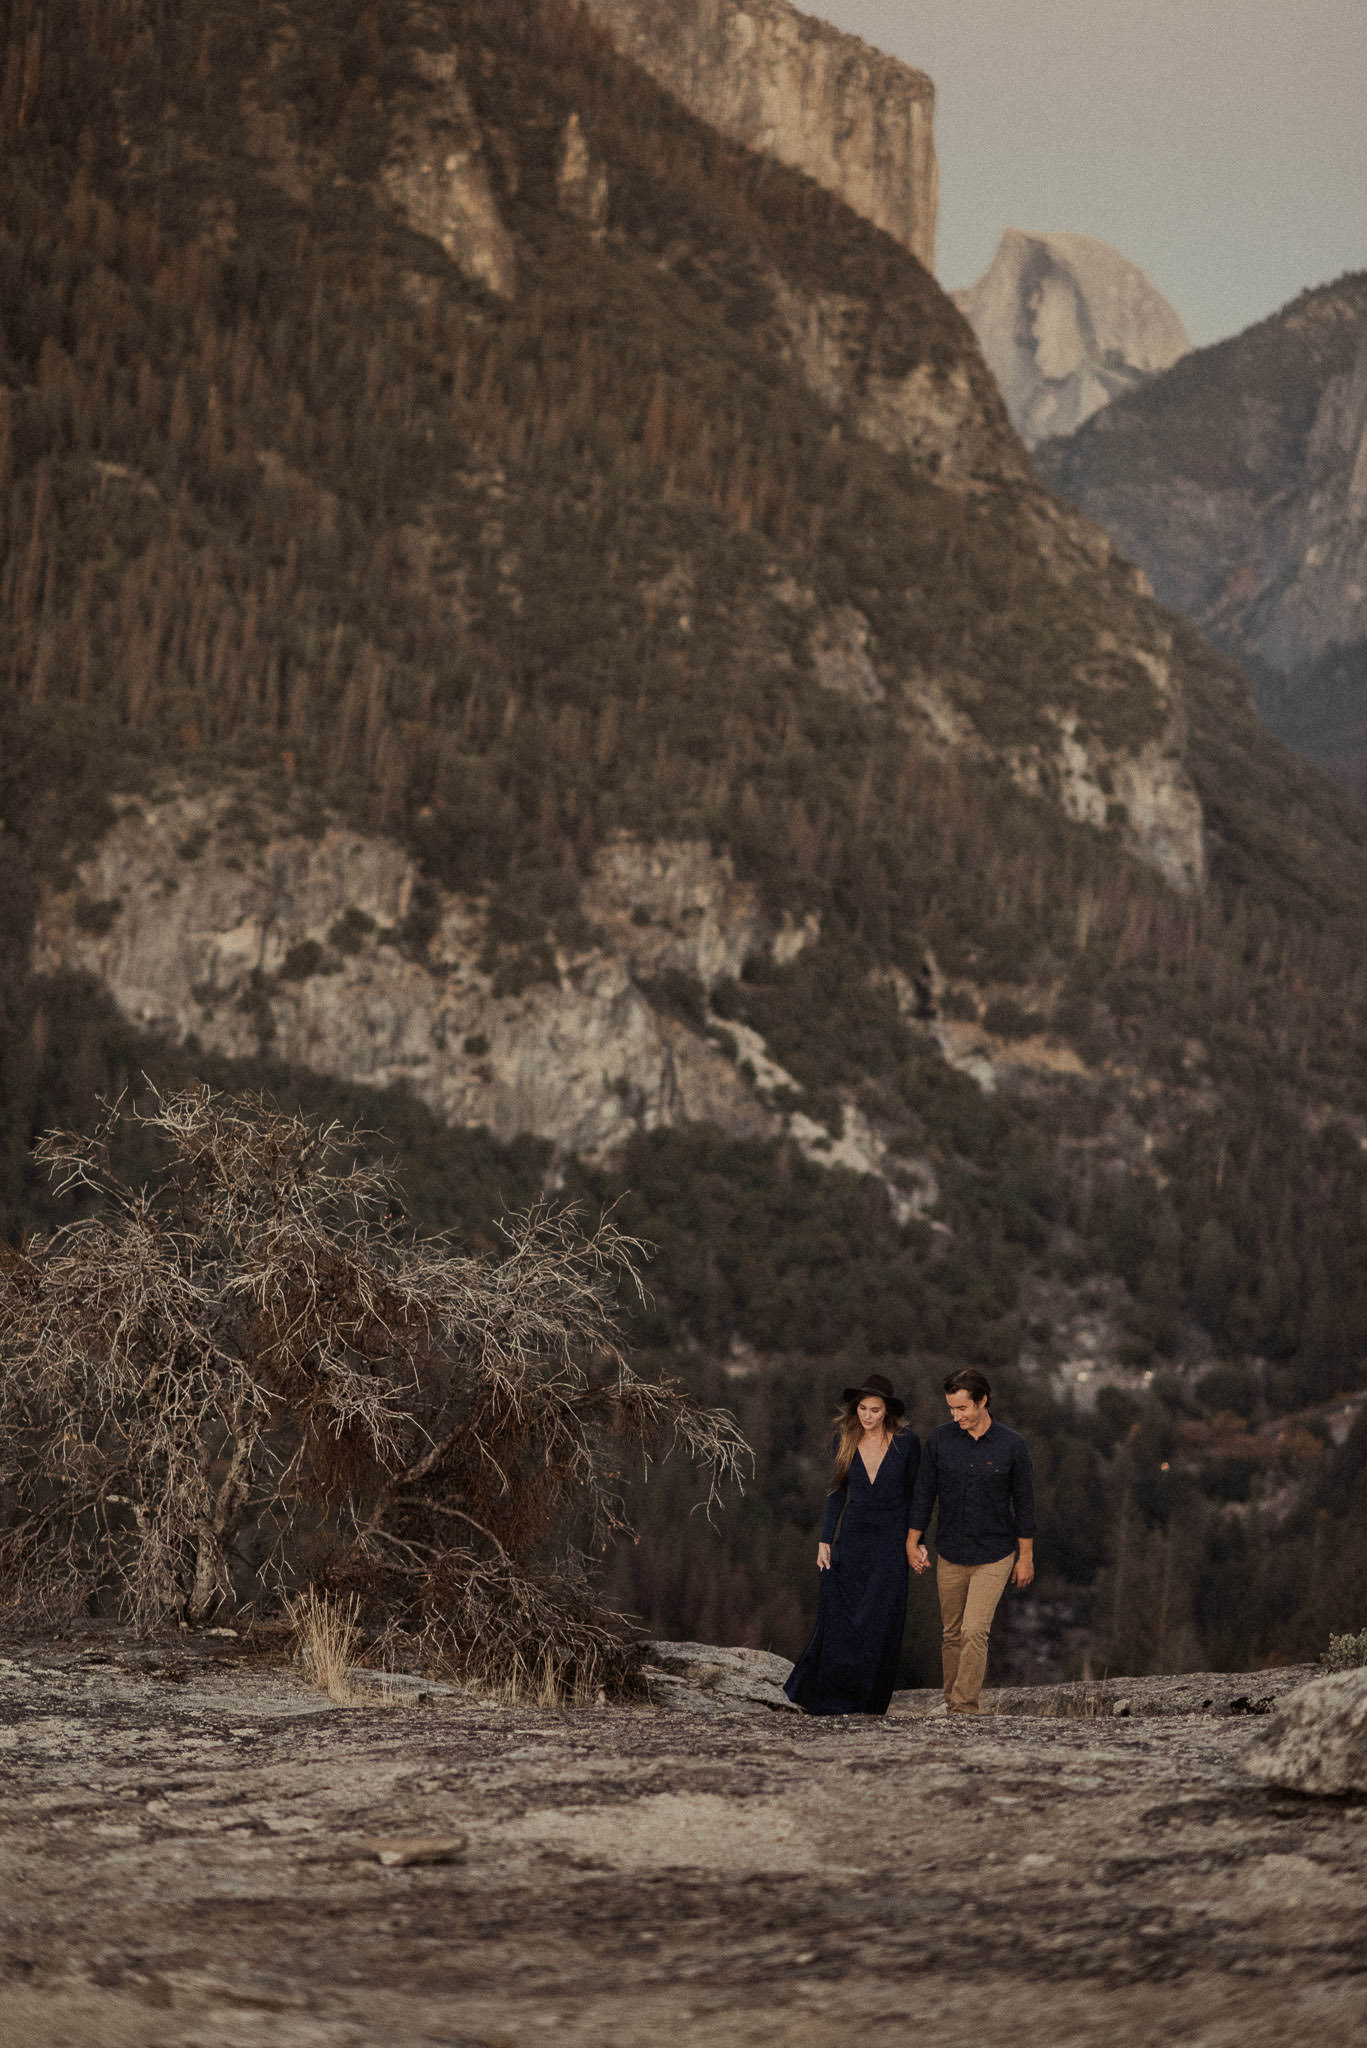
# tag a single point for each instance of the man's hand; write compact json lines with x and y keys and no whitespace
{"x":823,"y":1557}
{"x":1024,"y":1573}
{"x":918,"y":1557}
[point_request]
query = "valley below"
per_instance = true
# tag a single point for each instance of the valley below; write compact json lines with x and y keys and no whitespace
{"x":189,"y":1855}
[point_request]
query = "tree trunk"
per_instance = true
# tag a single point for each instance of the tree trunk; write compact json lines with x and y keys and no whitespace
{"x":212,"y":1581}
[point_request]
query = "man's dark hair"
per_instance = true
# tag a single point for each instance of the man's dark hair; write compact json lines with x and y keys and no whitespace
{"x":968,"y":1380}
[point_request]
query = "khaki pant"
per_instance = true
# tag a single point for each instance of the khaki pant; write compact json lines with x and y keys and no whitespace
{"x":968,"y":1600}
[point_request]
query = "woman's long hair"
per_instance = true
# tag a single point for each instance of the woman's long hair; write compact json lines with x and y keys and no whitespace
{"x":848,"y":1430}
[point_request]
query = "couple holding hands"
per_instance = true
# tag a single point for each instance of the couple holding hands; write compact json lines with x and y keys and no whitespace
{"x":977,"y":1473}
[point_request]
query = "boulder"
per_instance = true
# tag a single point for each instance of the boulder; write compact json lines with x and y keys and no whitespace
{"x":699,"y":1678}
{"x":1316,"y":1740}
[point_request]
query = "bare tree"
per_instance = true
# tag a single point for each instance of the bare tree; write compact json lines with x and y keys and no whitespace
{"x":247,"y":1375}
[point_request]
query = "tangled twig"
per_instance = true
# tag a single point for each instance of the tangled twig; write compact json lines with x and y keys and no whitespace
{"x":243,"y":1378}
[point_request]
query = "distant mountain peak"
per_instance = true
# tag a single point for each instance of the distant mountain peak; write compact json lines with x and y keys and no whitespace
{"x":1238,"y":482}
{"x":1066,"y":324}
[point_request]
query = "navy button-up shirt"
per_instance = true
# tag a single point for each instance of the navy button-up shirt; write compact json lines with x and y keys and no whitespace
{"x":985,"y":1488}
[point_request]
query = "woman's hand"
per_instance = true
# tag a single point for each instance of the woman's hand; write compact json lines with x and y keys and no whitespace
{"x":823,"y":1557}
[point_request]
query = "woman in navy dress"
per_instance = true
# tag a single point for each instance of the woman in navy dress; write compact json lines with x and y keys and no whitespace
{"x":850,"y":1664}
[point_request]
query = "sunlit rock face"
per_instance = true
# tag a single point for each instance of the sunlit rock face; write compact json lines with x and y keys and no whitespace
{"x":437,"y":177}
{"x":858,"y":122}
{"x":1066,"y":324}
{"x":214,"y":923}
{"x":217,"y":924}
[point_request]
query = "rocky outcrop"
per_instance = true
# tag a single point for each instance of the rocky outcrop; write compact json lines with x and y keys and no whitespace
{"x":1141,"y":792}
{"x":840,"y":656}
{"x":702,"y":1678}
{"x":1317,"y":1739}
{"x":215,"y":924}
{"x":791,"y":87}
{"x":581,"y":185}
{"x":1221,"y":1693}
{"x":1066,"y":324}
{"x":1144,"y":793}
{"x":1087,"y":757}
{"x":945,"y":415}
{"x":209,"y":923}
{"x":437,"y":178}
{"x":696,"y":1678}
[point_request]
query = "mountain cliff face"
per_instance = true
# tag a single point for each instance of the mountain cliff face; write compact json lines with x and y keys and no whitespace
{"x":1239,"y":481}
{"x":795,"y":89}
{"x":215,"y":922}
{"x":1066,"y":325}
{"x":526,"y":623}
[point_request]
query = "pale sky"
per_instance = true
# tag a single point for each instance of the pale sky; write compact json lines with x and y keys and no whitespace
{"x":1219,"y":144}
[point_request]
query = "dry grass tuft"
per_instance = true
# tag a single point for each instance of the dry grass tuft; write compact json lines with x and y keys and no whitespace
{"x":540,"y":1682}
{"x":327,"y":1637}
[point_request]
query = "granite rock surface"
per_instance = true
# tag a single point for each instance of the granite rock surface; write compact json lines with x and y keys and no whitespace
{"x":794,"y":88}
{"x":214,"y":922}
{"x":190,"y":1858}
{"x":437,"y":176}
{"x":1066,"y":323}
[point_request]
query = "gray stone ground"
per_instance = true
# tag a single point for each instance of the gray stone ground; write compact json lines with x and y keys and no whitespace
{"x":188,"y":1849}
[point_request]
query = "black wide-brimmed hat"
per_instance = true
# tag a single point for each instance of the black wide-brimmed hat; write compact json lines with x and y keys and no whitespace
{"x":877,"y":1385}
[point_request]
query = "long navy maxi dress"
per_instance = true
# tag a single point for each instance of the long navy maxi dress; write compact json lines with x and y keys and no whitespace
{"x":850,"y":1664}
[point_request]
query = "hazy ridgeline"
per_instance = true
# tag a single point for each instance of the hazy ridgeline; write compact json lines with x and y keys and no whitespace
{"x":282,"y":493}
{"x":1230,"y":477}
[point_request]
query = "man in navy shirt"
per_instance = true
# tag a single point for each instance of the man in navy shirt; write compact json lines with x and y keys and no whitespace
{"x":979,"y":1473}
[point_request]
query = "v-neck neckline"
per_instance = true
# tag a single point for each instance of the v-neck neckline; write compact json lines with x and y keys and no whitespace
{"x":872,"y":1477}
